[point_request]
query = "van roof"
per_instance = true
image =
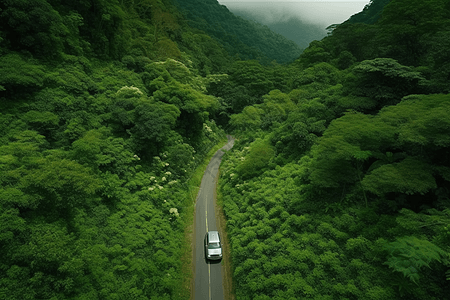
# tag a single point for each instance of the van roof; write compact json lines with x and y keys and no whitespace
{"x":213,"y":236}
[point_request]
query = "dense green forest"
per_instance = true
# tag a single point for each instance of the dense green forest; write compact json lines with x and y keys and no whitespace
{"x":339,"y":181}
{"x":337,"y":186}
{"x":104,"y":117}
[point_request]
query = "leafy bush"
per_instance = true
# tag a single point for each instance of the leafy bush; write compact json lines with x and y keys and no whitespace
{"x":408,"y":255}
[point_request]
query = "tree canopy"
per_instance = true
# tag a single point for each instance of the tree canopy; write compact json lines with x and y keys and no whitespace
{"x":349,"y":197}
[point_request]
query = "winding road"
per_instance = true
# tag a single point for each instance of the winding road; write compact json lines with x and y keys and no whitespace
{"x":207,"y":275}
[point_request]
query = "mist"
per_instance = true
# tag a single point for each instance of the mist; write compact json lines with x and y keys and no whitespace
{"x":319,"y":12}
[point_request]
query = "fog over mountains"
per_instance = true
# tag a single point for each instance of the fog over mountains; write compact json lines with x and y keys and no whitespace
{"x":292,"y":28}
{"x":299,"y":21}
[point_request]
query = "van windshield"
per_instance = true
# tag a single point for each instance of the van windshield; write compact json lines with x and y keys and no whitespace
{"x":214,"y":245}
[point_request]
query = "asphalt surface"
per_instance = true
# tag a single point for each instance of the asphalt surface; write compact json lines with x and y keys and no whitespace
{"x":208,"y":274}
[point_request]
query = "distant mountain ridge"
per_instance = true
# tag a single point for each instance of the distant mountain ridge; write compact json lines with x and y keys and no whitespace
{"x":242,"y":38}
{"x":294,"y":29}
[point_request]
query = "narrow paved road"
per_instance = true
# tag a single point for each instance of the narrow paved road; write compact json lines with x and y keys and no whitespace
{"x":208,"y":275}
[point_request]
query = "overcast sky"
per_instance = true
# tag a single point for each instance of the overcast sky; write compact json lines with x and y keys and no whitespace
{"x":320,"y":12}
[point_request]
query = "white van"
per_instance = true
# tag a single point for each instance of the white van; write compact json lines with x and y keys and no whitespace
{"x":213,"y":246}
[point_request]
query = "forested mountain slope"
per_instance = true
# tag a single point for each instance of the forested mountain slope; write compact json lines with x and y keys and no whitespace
{"x":242,"y":38}
{"x":338,"y":185}
{"x":293,"y":28}
{"x":104,"y":117}
{"x":370,"y":14}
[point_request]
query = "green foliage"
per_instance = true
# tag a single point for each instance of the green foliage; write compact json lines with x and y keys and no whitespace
{"x":409,"y":176}
{"x":34,"y":26}
{"x":205,"y":52}
{"x":174,"y":83}
{"x":423,"y":121}
{"x":248,"y":119}
{"x":153,"y":123}
{"x":257,"y":160}
{"x":17,"y":72}
{"x":408,"y":255}
{"x":346,"y":153}
{"x":318,"y":73}
{"x":315,"y":53}
{"x":384,"y":80}
{"x":406,"y":22}
{"x":61,"y":183}
{"x":276,"y":107}
{"x":405,"y":37}
{"x":252,"y":75}
{"x":340,"y":149}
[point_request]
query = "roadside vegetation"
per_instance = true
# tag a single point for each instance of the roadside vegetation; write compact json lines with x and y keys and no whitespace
{"x":103,"y":123}
{"x":338,"y":184}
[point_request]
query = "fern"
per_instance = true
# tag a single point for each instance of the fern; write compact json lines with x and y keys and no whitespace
{"x":409,"y":254}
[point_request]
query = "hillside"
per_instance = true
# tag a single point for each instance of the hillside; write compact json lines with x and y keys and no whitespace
{"x":240,"y":37}
{"x":370,"y":14}
{"x":338,"y":185}
{"x":292,"y":28}
{"x":104,"y":119}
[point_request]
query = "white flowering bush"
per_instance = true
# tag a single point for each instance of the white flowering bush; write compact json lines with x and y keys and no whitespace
{"x":174,"y":211}
{"x":178,"y":160}
{"x":129,"y":92}
{"x":160,"y":164}
{"x":207,"y":128}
